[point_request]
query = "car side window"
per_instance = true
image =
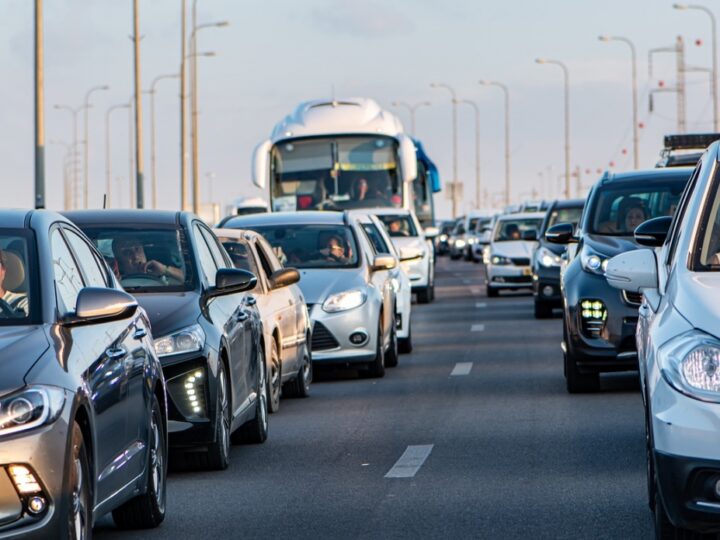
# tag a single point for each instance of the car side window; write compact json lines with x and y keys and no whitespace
{"x":95,"y":276}
{"x":207,"y":262}
{"x":375,"y":238}
{"x":215,"y":249}
{"x":675,"y":227}
{"x":68,"y":279}
{"x":264,"y":262}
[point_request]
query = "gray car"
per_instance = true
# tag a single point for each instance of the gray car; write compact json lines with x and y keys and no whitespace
{"x":83,"y":428}
{"x":347,"y":287}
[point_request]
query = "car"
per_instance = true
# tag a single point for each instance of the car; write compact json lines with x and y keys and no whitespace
{"x":383,"y":245}
{"x":348,"y":289}
{"x":418,"y":260}
{"x":442,"y":246}
{"x":208,"y":332}
{"x":514,"y":240}
{"x":684,"y":149}
{"x":599,"y":321}
{"x":677,"y":276}
{"x":547,"y":259}
{"x":472,"y":219}
{"x":481,"y":237}
{"x":84,"y":423}
{"x":285,"y":319}
{"x":456,"y":240}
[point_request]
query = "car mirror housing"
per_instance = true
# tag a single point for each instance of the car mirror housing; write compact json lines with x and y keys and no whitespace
{"x":231,"y":281}
{"x":284,"y":278}
{"x":562,"y":233}
{"x":431,"y":232}
{"x":97,"y":304}
{"x":383,"y":262}
{"x":633,"y":271}
{"x":410,"y":254}
{"x":653,"y":232}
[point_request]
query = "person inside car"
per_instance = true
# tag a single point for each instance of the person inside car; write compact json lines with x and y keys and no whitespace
{"x":631,"y":213}
{"x":131,"y":260}
{"x":512,"y":232}
{"x":334,"y":249}
{"x":12,"y":304}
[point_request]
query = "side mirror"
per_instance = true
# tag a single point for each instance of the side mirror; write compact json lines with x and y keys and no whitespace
{"x":231,"y":281}
{"x":410,"y":254}
{"x":383,"y":262}
{"x":653,"y":232}
{"x":408,"y":158}
{"x":261,"y":163}
{"x":284,"y":277}
{"x":95,"y":304}
{"x":562,"y":233}
{"x":431,"y":232}
{"x":530,"y":235}
{"x":633,"y":271}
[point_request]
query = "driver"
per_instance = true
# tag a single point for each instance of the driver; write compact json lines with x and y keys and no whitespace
{"x":17,"y":302}
{"x":335,"y":249}
{"x":131,"y":259}
{"x":512,"y":232}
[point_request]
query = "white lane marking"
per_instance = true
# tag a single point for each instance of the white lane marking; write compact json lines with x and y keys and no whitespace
{"x":461,"y":368}
{"x":475,"y":290}
{"x":467,"y":281}
{"x":477,"y":328}
{"x":480,"y":305}
{"x":410,"y":462}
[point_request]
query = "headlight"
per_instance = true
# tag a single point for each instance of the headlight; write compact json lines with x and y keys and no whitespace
{"x":30,"y":407}
{"x":471,"y":241}
{"x":459,"y":243}
{"x":690,"y":363}
{"x":188,"y":339}
{"x":344,"y":301}
{"x":547,"y":258}
{"x":500,"y":260}
{"x":443,"y":237}
{"x":593,"y":262}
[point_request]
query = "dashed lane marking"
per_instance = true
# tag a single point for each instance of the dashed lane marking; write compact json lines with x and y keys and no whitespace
{"x":475,"y":290}
{"x":477,"y":328}
{"x":410,"y":462}
{"x":480,"y":305}
{"x":461,"y":368}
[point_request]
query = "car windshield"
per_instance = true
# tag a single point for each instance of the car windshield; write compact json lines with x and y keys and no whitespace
{"x":482,"y":224}
{"x":313,"y":246}
{"x":618,"y":210}
{"x":399,"y":225}
{"x":565,"y":215}
{"x":512,"y":229}
{"x":146,"y":260}
{"x":15,"y":283}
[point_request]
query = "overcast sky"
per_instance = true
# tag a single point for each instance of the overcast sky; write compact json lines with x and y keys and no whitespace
{"x":276,"y":53}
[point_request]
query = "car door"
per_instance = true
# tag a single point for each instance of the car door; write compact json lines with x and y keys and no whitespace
{"x":381,"y":280}
{"x":99,"y":358}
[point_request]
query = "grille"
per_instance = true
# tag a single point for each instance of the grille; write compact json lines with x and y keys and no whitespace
{"x":521,"y":261}
{"x":322,"y":339}
{"x":512,"y":279}
{"x":632,"y":298}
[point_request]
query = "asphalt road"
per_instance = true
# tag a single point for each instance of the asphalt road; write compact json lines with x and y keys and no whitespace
{"x":511,"y":454}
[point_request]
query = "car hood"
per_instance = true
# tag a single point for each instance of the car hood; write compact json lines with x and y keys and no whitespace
{"x":20,"y":348}
{"x":610,"y":246}
{"x":697,"y":301}
{"x":557,"y":249}
{"x":414,"y":242}
{"x":513,"y":248}
{"x":317,"y":284}
{"x":170,"y":311}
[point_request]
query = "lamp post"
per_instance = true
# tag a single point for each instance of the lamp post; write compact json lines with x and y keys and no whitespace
{"x":86,"y":154}
{"x":39,"y":107}
{"x":713,"y":27}
{"x":183,"y":108}
{"x":506,"y":93}
{"x":454,"y":141}
{"x":636,"y":125}
{"x":108,"y":171}
{"x":139,"y":164}
{"x":153,"y":134}
{"x":477,"y":149}
{"x":74,"y":111}
{"x":566,"y":77}
{"x":133,"y":200}
{"x":411,"y":109}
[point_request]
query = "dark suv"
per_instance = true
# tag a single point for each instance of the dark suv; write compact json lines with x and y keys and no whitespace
{"x":547,"y":257}
{"x":599,"y":321}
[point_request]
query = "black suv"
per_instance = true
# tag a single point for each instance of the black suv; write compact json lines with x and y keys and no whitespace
{"x":547,"y":257}
{"x":599,"y":321}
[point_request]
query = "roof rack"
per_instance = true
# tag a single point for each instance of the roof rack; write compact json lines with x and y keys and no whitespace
{"x":689,"y":141}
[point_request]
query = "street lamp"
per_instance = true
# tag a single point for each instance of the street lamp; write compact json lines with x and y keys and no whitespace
{"x":506,"y":92}
{"x":566,"y":76}
{"x":477,"y":149}
{"x":39,"y":90}
{"x":411,"y":109}
{"x":87,"y":140}
{"x":454,"y":141}
{"x":713,"y":27}
{"x":74,"y":111}
{"x":108,"y":175}
{"x":636,"y":125}
{"x":153,"y":144}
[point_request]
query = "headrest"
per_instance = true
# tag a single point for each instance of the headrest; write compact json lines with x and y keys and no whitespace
{"x":14,"y":271}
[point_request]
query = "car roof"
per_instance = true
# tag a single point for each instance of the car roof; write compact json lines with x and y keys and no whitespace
{"x":238,"y":234}
{"x":14,"y":218}
{"x":522,"y":215}
{"x":309,"y":217}
{"x":648,"y":175}
{"x":126,"y":216}
{"x":380,"y":211}
{"x":569,"y":203}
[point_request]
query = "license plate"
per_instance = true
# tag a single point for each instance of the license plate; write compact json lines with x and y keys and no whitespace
{"x":527,"y":271}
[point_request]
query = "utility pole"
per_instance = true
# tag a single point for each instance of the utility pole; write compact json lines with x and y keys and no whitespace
{"x":39,"y":108}
{"x":455,"y":189}
{"x":566,"y":78}
{"x":153,"y":135}
{"x":108,"y":149}
{"x":183,"y":110}
{"x":139,"y":180}
{"x":478,"y":193}
{"x":86,"y":174}
{"x":506,"y":93}
{"x":679,"y":50}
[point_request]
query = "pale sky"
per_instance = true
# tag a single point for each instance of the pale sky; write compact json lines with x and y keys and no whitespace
{"x":276,"y":53}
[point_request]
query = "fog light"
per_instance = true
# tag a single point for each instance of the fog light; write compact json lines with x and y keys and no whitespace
{"x":547,"y":290}
{"x":594,"y":315}
{"x":24,"y":480}
{"x":194,"y":391}
{"x":358,"y":338}
{"x":36,"y":505}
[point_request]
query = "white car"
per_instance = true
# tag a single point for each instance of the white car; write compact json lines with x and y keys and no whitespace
{"x":678,"y":342}
{"x":508,"y":256}
{"x":417,"y":256}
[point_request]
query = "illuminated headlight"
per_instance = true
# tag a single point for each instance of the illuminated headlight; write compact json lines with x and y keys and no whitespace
{"x":593,"y":263}
{"x":188,"y":339}
{"x":547,"y":258}
{"x":471,"y":241}
{"x":443,"y":237}
{"x":499,"y":260}
{"x":29,"y":408}
{"x":690,"y":363}
{"x":396,"y":285}
{"x":344,"y":301}
{"x":459,"y":243}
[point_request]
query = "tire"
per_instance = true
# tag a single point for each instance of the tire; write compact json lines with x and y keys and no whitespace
{"x":256,"y":430}
{"x":300,"y":385}
{"x":147,"y":511}
{"x":664,"y":529}
{"x":542,"y":310}
{"x":79,"y":524}
{"x":424,"y":295}
{"x":491,"y":292}
{"x":274,"y":380}
{"x":377,"y":367}
{"x":576,"y":382}
{"x":405,"y":345}
{"x":392,"y":356}
{"x":217,"y":456}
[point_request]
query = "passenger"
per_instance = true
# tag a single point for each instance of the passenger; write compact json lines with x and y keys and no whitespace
{"x":512,"y":232}
{"x":131,"y":260}
{"x":363,"y":191}
{"x":12,"y":304}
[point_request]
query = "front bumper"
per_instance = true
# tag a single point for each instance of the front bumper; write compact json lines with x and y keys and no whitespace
{"x":331,"y":335}
{"x":418,"y":272}
{"x":507,"y":276}
{"x":546,"y":285}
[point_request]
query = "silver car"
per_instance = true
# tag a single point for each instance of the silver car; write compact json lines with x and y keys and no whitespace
{"x":348,"y":289}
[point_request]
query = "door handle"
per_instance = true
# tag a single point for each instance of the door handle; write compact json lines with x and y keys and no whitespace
{"x":241,"y":317}
{"x":251,"y":300}
{"x":140,"y":333}
{"x":115,"y":353}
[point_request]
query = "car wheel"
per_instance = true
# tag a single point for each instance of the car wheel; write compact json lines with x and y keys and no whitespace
{"x":377,"y":367}
{"x":274,"y":381}
{"x":542,"y":310}
{"x":256,"y":430}
{"x":392,"y":355}
{"x":405,"y":345}
{"x":491,"y":292}
{"x":217,"y":456}
{"x":300,"y":385}
{"x":576,"y":382}
{"x":424,"y":295}
{"x":147,"y":511}
{"x":79,"y":506}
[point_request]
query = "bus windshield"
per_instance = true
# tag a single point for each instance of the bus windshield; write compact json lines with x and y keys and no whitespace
{"x":335,"y":173}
